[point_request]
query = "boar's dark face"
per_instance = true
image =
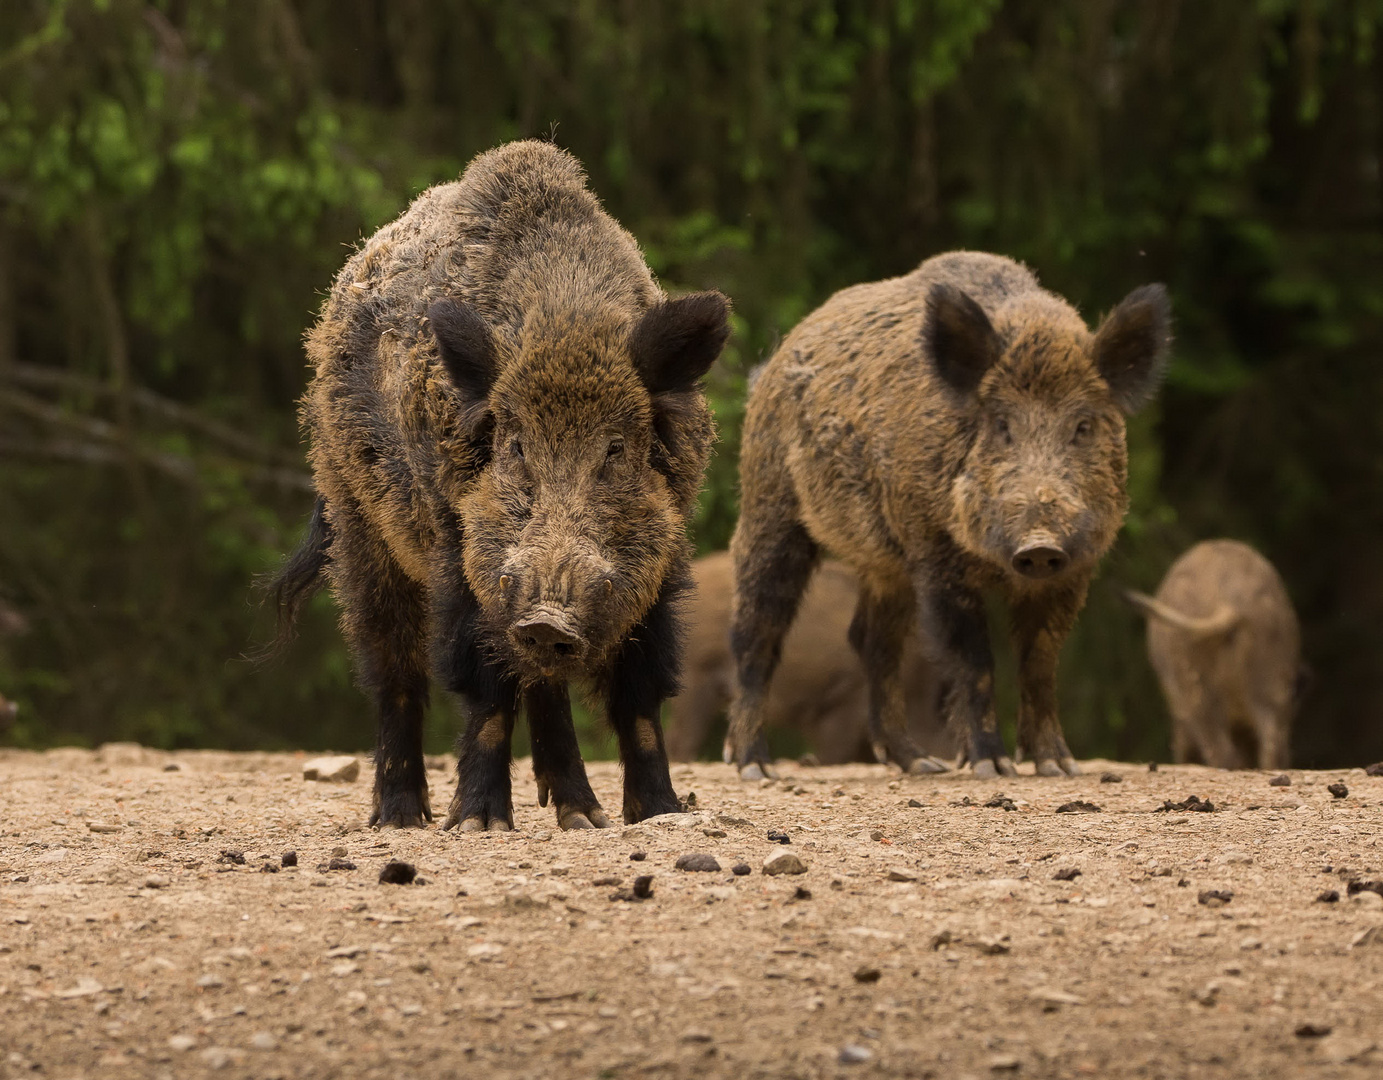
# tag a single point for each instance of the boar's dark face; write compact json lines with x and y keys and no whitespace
{"x":1042,"y":492}
{"x":571,"y":527}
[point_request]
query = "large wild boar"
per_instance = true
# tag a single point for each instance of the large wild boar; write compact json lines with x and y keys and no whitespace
{"x":819,"y":691}
{"x":508,"y":434}
{"x":952,"y":430}
{"x":1224,"y":640}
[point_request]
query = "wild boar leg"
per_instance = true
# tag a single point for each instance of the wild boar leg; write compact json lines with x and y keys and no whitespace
{"x":1040,"y":627}
{"x":774,"y":559}
{"x":383,"y":616}
{"x":877,"y":632}
{"x":557,"y":764}
{"x":484,"y":798}
{"x":954,"y":627}
{"x":1273,"y":751}
{"x":643,"y":676}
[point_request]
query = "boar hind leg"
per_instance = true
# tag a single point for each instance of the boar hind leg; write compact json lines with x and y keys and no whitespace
{"x":383,"y":615}
{"x":774,"y":560}
{"x":643,"y":676}
{"x":880,"y":625}
{"x":1039,"y":629}
{"x":953,"y":624}
{"x":557,"y":764}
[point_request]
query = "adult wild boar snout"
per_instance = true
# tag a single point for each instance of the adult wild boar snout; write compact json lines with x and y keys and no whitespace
{"x":548,"y":637}
{"x":1040,"y":555}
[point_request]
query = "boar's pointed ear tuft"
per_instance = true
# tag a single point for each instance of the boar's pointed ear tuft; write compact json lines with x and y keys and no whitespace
{"x":958,"y":337}
{"x":1132,"y":346}
{"x":675,"y":343}
{"x":467,"y":347}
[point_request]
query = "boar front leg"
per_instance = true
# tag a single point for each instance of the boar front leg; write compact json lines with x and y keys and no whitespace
{"x":643,"y":676}
{"x":774,"y":559}
{"x":1040,"y":626}
{"x":953,"y":627}
{"x":881,"y":623}
{"x":557,"y":764}
{"x":489,"y":698}
{"x":383,"y":615}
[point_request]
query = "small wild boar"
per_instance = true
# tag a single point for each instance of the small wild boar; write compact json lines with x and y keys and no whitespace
{"x":1224,"y":641}
{"x":508,"y":434}
{"x":819,"y":690}
{"x":949,"y":431}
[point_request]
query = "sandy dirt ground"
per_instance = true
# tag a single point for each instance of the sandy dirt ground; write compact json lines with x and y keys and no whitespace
{"x":931,"y":935}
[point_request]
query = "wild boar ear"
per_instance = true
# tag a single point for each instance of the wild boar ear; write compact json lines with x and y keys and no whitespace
{"x":467,"y":347}
{"x":958,"y":337}
{"x":675,"y":343}
{"x":1132,"y":346}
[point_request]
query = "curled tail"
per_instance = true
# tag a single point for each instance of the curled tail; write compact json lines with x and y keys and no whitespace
{"x":1223,"y":619}
{"x":299,"y":579}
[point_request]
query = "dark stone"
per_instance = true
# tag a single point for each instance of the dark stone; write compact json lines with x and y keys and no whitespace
{"x":643,"y":886}
{"x":235,"y":858}
{"x":1001,"y":802}
{"x":697,"y":861}
{"x":740,"y":869}
{"x":779,"y":837}
{"x":1338,"y":790}
{"x":290,"y":858}
{"x":867,"y":974}
{"x":1069,"y":873}
{"x":1214,"y":897}
{"x":1111,"y":778}
{"x":1191,"y":802}
{"x":398,"y":873}
{"x":1309,"y":1030}
{"x":638,"y":856}
{"x":1079,"y":806}
{"x":1281,"y":780}
{"x":1330,"y":896}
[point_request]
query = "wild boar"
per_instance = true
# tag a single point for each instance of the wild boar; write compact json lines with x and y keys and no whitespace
{"x":508,"y":434}
{"x":949,"y":431}
{"x":819,"y":690}
{"x":1224,"y":640}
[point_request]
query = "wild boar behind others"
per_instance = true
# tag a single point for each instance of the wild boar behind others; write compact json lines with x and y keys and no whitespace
{"x":954,"y":429}
{"x":1224,"y":640}
{"x":507,"y":437}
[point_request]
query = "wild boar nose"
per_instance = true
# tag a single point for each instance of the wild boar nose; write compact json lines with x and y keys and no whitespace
{"x":1040,"y":560}
{"x":547,"y":633}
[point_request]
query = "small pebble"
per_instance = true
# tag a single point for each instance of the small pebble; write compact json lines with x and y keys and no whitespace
{"x":1107,"y":778}
{"x":172,"y":766}
{"x":866,"y":974}
{"x":1280,"y":780}
{"x":800,"y":893}
{"x":1078,"y":806}
{"x":340,"y":769}
{"x":1330,"y":896}
{"x":1375,"y":769}
{"x":899,"y":873}
{"x":740,"y":869}
{"x":339,"y":852}
{"x":638,"y":856}
{"x":784,"y":862}
{"x":181,"y":1043}
{"x":268,"y":868}
{"x":290,"y":858}
{"x":1339,"y":791}
{"x":1312,"y":1030}
{"x":608,"y":879}
{"x":263,"y":1040}
{"x":854,"y":1054}
{"x":697,"y":861}
{"x":1004,"y":1063}
{"x":156,"y":881}
{"x":1214,"y":897}
{"x":915,"y":802}
{"x":875,"y":834}
{"x":779,"y":837}
{"x":102,"y":827}
{"x":1069,"y":873}
{"x":643,"y":886}
{"x":232,"y":858}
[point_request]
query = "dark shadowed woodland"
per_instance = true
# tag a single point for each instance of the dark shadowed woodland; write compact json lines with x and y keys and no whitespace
{"x":180,"y":182}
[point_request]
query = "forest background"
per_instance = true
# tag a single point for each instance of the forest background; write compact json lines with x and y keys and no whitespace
{"x":181,"y":179}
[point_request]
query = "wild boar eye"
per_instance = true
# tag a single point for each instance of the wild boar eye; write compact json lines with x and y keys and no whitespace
{"x":1002,"y":428}
{"x":516,"y":448}
{"x":1083,"y":430}
{"x":616,"y":448}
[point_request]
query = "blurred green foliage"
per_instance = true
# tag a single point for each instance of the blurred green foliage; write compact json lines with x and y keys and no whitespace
{"x":180,"y":180}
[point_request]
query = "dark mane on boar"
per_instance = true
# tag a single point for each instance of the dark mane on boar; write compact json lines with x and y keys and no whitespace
{"x":508,"y":434}
{"x":949,"y":431}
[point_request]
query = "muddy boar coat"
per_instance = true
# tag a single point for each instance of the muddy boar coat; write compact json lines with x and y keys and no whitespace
{"x":507,"y":437}
{"x":949,"y":431}
{"x":819,"y":691}
{"x":1224,"y":640}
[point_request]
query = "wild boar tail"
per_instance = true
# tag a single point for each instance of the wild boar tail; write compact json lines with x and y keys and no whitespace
{"x":299,"y":579}
{"x":1223,"y":619}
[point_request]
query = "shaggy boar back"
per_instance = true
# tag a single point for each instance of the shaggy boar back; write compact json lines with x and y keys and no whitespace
{"x":1224,"y":640}
{"x":507,"y":437}
{"x":819,"y":691}
{"x":953,"y":430}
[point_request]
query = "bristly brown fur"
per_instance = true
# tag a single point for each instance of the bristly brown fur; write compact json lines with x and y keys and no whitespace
{"x":506,"y":496}
{"x":943,"y":432}
{"x":1232,"y":692}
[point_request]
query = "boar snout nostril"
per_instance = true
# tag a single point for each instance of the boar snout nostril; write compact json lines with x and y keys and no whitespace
{"x":548,"y":634}
{"x":1040,"y":560}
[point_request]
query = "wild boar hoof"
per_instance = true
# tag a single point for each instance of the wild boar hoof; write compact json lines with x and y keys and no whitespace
{"x":989,"y":768}
{"x":1058,"y":767}
{"x":571,"y":818}
{"x":401,"y":810}
{"x":925,"y":765}
{"x":477,"y":823}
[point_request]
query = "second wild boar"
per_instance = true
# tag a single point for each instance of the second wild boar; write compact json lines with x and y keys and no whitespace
{"x":819,"y":692}
{"x":508,"y":434}
{"x":1224,"y":640}
{"x":950,"y":431}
